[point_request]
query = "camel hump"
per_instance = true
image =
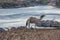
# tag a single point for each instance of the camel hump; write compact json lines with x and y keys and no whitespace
{"x":33,"y":18}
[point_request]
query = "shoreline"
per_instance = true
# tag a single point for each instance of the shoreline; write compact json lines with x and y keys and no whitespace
{"x":24,"y":27}
{"x":30,"y":34}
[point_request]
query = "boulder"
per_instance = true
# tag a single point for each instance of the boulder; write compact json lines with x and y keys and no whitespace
{"x":12,"y":28}
{"x":2,"y":30}
{"x":48,"y":23}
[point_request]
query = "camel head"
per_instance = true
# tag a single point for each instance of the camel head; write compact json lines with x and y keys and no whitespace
{"x":41,"y":17}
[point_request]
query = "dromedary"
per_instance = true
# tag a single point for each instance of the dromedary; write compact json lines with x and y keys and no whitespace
{"x":34,"y":20}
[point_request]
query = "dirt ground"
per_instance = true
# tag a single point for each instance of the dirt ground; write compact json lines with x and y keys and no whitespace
{"x":31,"y":34}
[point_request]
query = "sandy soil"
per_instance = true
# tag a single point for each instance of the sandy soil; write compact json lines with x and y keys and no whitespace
{"x":31,"y":34}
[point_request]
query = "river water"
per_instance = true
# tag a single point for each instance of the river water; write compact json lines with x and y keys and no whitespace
{"x":17,"y":16}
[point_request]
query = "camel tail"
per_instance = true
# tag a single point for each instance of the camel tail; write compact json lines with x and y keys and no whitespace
{"x":26,"y":24}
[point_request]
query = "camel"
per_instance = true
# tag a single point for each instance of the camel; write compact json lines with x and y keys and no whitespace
{"x":34,"y":20}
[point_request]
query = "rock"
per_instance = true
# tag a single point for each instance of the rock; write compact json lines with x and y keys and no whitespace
{"x":13,"y":28}
{"x":22,"y":27}
{"x":2,"y":30}
{"x":48,"y":23}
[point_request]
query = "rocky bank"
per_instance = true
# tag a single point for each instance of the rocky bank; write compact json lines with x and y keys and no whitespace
{"x":30,"y":34}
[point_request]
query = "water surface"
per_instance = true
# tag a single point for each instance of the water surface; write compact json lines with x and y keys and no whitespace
{"x":18,"y":16}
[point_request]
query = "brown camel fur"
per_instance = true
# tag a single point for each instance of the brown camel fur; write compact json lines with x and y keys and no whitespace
{"x":34,"y":20}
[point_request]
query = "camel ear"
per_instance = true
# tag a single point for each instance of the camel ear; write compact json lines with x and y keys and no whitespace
{"x":41,"y":17}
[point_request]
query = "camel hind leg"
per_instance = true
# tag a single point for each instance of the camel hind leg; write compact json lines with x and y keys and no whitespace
{"x":35,"y":25}
{"x":28,"y":24}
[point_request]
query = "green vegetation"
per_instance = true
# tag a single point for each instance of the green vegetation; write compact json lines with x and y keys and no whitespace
{"x":43,"y":2}
{"x":26,"y":3}
{"x":58,"y":4}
